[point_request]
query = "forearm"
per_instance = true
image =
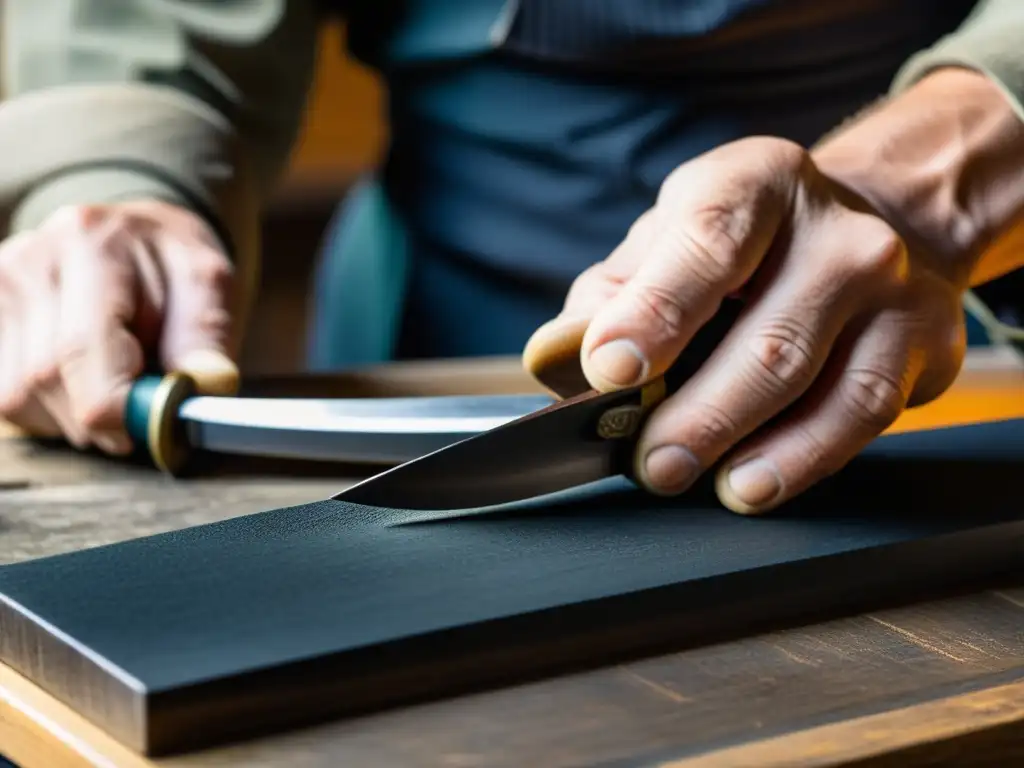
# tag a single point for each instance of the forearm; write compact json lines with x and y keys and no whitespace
{"x":192,"y":102}
{"x":944,"y":160}
{"x":129,"y":142}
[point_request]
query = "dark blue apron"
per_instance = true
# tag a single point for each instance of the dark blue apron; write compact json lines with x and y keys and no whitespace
{"x":527,"y":136}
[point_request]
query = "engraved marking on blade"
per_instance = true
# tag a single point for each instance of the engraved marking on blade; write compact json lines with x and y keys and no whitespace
{"x":619,"y":422}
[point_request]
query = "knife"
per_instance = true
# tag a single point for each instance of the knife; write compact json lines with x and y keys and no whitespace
{"x":167,"y":420}
{"x":591,"y":436}
{"x":581,"y":439}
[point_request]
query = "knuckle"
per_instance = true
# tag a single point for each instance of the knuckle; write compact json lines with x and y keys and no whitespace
{"x":78,"y":218}
{"x":595,"y":273}
{"x":786,"y":155}
{"x":211,"y":269}
{"x":95,"y":414}
{"x":115,"y":242}
{"x":880,"y":253}
{"x":659,"y":310}
{"x":594,"y":286}
{"x":213,"y":322}
{"x":789,"y":154}
{"x":783,"y":355}
{"x":14,"y":400}
{"x":92,"y":406}
{"x":44,"y":376}
{"x":642,"y":227}
{"x":707,"y":244}
{"x":81,"y":360}
{"x":73,"y":351}
{"x":939,"y":375}
{"x":872,"y":399}
{"x":713,"y":428}
{"x":819,"y":458}
{"x":104,"y":227}
{"x":815,"y":456}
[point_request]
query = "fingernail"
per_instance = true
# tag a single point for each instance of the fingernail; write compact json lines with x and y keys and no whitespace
{"x":619,"y":362}
{"x":213,"y":372}
{"x":115,"y":443}
{"x":750,"y":486}
{"x":670,"y":469}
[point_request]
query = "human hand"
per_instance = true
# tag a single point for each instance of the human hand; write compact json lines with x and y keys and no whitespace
{"x":91,"y":296}
{"x":843,"y":325}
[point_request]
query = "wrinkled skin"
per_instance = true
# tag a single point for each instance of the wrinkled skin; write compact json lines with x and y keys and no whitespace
{"x":844,"y":325}
{"x":91,"y":295}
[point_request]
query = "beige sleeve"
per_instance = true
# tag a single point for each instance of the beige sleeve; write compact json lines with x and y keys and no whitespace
{"x":991,"y":41}
{"x":192,"y":101}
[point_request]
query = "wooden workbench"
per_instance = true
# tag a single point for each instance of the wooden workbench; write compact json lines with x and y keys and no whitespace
{"x":934,"y":683}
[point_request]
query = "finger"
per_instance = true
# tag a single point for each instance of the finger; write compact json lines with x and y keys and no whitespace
{"x":773,"y":353}
{"x":552,"y":354}
{"x":19,"y":404}
{"x":10,"y":353}
{"x":864,"y":390}
{"x":198,"y":336}
{"x":596,"y":285}
{"x":98,"y":356}
{"x":42,"y":361}
{"x":946,"y":350}
{"x":714,"y":222}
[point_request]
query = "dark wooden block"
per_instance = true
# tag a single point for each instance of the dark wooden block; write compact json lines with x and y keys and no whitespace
{"x":275,"y":619}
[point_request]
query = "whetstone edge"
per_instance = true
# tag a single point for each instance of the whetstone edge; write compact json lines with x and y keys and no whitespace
{"x":217,"y":632}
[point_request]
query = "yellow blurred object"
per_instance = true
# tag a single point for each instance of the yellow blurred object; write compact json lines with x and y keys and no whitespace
{"x":344,"y":130}
{"x":989,"y":388}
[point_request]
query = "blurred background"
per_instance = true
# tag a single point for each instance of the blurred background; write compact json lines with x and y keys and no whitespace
{"x":343,"y":135}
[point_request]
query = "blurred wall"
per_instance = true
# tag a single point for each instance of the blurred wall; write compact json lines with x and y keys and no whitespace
{"x":342,"y":137}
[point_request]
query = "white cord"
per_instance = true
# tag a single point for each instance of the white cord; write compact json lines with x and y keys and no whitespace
{"x":999,"y":333}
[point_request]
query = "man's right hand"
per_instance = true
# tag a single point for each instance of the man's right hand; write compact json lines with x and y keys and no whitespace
{"x":92,"y":296}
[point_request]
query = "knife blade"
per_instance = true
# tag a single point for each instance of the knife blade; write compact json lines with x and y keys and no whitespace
{"x":580,"y":440}
{"x":165,"y":418}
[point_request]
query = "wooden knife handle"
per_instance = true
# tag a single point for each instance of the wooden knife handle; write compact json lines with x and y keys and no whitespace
{"x":151,"y":419}
{"x":552,"y":356}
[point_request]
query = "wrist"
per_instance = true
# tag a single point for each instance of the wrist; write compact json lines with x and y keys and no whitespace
{"x":944,"y":164}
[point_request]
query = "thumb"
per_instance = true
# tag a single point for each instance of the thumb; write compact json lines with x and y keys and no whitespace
{"x":198,"y":336}
{"x":552,"y":356}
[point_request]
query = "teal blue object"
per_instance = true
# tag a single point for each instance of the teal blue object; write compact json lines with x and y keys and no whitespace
{"x":361,"y":283}
{"x":137,"y":410}
{"x":452,"y":29}
{"x":428,"y":31}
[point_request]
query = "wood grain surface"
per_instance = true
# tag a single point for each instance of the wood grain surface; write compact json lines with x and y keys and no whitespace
{"x":912,"y":685}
